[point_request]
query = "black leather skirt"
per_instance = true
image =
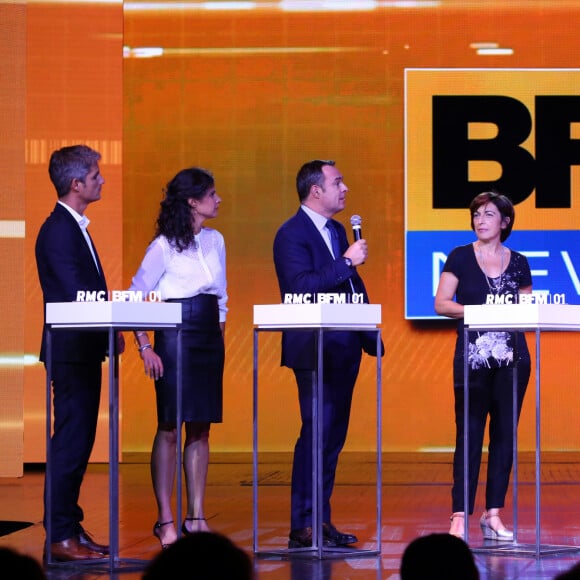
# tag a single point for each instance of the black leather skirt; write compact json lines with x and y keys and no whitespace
{"x":202,"y":349}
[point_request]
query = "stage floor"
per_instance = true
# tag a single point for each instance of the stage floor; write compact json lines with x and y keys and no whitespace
{"x":415,"y":501}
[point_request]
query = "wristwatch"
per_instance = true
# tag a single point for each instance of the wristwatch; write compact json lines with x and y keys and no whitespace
{"x":347,"y":261}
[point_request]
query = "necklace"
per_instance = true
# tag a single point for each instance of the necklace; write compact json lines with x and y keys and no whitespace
{"x":494,"y":287}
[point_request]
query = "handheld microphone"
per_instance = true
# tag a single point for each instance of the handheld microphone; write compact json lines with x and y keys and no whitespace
{"x":355,"y":222}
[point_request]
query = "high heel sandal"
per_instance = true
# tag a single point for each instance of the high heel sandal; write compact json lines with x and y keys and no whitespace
{"x":157,"y":526}
{"x":489,"y":533}
{"x":457,"y":515}
{"x":184,"y":530}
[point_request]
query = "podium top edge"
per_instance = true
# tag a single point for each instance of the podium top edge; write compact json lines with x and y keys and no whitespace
{"x":338,"y":316}
{"x":522,"y":317}
{"x":113,"y":313}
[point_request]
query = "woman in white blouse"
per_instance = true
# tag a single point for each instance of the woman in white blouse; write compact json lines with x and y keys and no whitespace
{"x":185,"y":263}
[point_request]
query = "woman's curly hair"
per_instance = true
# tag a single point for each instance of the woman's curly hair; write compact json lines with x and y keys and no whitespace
{"x":174,"y":220}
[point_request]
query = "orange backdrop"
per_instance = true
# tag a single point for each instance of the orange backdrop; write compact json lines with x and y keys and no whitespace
{"x":251,"y":95}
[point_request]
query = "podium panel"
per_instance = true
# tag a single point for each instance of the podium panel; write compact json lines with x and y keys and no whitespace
{"x":318,"y":318}
{"x":519,"y":318}
{"x":361,"y":316}
{"x":556,"y":317}
{"x":121,"y":315}
{"x":112,"y":317}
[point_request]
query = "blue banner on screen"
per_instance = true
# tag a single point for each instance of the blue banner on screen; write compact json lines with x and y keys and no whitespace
{"x":554,"y":257}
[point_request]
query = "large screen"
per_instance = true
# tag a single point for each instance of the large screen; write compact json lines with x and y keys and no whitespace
{"x":512,"y":131}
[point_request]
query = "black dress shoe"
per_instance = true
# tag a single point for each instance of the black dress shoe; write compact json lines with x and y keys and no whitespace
{"x":85,"y":540}
{"x":339,"y":538}
{"x":302,"y":538}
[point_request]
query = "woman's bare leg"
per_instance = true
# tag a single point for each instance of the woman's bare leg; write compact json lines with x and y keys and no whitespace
{"x":195,"y":466}
{"x":163,"y":478}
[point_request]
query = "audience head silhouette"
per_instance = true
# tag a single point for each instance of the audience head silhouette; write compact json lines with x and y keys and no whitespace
{"x":571,"y":574}
{"x":203,"y":556}
{"x":20,"y":566}
{"x":438,"y":557}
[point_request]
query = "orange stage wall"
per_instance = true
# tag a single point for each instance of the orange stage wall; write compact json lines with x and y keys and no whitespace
{"x":251,"y":95}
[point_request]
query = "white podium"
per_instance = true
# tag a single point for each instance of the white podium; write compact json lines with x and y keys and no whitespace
{"x":518,"y":317}
{"x":113,"y":317}
{"x":318,"y":318}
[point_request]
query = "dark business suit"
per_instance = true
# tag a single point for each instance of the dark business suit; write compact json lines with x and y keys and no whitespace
{"x":65,"y":265}
{"x":304,"y":264}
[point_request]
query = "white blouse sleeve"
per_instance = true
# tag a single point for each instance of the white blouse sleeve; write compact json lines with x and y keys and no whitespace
{"x":151,"y":269}
{"x":222,"y":279}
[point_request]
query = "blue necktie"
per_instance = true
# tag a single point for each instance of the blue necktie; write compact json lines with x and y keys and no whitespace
{"x":336,"y":248}
{"x":334,"y":239}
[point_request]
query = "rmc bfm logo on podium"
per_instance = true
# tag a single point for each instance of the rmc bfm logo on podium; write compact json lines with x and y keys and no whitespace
{"x":516,"y":131}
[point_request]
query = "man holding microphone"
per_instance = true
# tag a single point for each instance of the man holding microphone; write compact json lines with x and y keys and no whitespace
{"x":312,"y":255}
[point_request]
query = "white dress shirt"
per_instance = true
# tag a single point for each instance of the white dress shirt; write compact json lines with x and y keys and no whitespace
{"x":83,"y":222}
{"x":320,"y":223}
{"x":196,"y":270}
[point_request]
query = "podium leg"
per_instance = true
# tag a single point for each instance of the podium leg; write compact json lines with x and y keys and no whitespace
{"x":379,"y":443}
{"x":515,"y":463}
{"x":536,"y":550}
{"x":538,"y":445}
{"x":116,"y":563}
{"x":317,"y":445}
{"x":317,"y":549}
{"x":48,"y":469}
{"x":112,"y":562}
{"x":178,"y":442}
{"x":255,"y":446}
{"x":466,"y":434}
{"x":113,"y":450}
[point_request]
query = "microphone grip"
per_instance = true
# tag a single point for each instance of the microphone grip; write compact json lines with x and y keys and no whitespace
{"x":357,"y":232}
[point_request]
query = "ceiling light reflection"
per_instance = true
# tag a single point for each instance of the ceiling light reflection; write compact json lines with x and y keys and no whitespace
{"x":182,"y":6}
{"x":142,"y":52}
{"x":17,"y":360}
{"x":494,"y":51}
{"x":12,"y":229}
{"x":477,"y":45}
{"x":330,"y":5}
{"x":284,"y":5}
{"x":152,"y":52}
{"x":229,"y":5}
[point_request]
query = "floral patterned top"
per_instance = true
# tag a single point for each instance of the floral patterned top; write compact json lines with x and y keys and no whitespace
{"x":487,"y":349}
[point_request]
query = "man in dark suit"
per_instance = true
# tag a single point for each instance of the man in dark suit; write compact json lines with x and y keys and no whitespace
{"x":68,"y":262}
{"x":307,"y":263}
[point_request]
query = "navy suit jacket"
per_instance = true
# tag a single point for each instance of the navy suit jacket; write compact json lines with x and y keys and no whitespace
{"x":65,"y":265}
{"x":304,"y":264}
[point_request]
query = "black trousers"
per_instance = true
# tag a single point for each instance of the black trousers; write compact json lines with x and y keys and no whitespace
{"x":337,"y":393}
{"x":490,"y":394}
{"x":76,"y":397}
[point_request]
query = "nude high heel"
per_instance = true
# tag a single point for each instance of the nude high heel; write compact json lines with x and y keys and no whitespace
{"x":493,"y":528}
{"x":457,"y":529}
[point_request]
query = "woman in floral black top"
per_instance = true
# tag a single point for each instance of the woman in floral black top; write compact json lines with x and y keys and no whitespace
{"x":470,"y":274}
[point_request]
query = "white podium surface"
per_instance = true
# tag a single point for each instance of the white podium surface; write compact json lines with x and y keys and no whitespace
{"x":523,"y":316}
{"x":120,"y":314}
{"x":520,"y":317}
{"x":318,"y":318}
{"x":361,"y":316}
{"x":110,"y":317}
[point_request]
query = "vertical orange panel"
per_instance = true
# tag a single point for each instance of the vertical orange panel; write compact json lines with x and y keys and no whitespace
{"x":73,"y":95}
{"x":12,"y":116}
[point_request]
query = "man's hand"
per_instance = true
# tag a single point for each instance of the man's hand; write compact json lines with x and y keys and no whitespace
{"x":357,"y":252}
